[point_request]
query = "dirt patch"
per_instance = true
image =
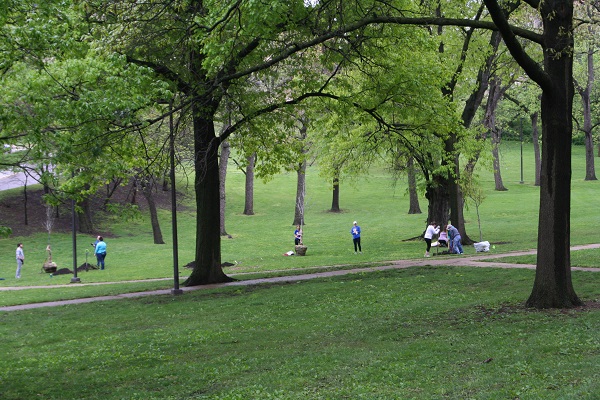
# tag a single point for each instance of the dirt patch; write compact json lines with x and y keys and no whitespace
{"x":26,"y":215}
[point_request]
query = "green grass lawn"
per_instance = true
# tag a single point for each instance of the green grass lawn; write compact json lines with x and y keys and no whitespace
{"x":587,"y":258}
{"x":420,"y":333}
{"x":508,"y":219}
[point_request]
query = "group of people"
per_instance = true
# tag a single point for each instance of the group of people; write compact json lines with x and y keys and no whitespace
{"x":99,"y":251}
{"x":447,"y":237}
{"x":354,"y":231}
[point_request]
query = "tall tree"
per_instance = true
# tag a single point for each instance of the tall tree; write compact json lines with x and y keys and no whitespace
{"x":249,"y":186}
{"x":495,"y":93}
{"x":223,"y":162}
{"x":585,"y":88}
{"x":553,"y":286}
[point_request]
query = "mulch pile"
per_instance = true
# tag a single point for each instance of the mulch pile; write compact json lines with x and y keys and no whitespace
{"x":83,"y":267}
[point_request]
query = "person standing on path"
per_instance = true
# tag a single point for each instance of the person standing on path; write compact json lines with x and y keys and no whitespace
{"x":431,"y":230}
{"x":355,"y":232}
{"x":20,"y":260}
{"x":100,"y":251}
{"x":455,"y":238}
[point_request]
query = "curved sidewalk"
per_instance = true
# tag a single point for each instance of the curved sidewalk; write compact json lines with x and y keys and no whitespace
{"x":467,"y":261}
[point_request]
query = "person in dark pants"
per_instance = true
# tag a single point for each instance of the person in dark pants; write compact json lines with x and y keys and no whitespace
{"x":100,"y":251}
{"x":355,"y":232}
{"x":298,"y":235}
{"x":430,"y":232}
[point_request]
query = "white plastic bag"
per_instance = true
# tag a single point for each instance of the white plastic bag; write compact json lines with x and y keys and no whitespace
{"x":482,"y":246}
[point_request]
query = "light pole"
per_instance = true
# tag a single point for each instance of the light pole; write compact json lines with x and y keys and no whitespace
{"x":176,"y":289}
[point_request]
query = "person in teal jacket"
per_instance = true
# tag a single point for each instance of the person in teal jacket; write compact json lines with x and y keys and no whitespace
{"x":100,"y":251}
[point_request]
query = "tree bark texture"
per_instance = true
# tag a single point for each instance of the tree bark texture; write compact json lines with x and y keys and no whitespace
{"x":335,"y":200}
{"x":249,"y":192}
{"x":148,"y":192}
{"x":553,"y":287}
{"x":413,"y":206}
{"x":456,"y":199}
{"x":438,"y":196}
{"x":300,"y":193}
{"x":207,"y":267}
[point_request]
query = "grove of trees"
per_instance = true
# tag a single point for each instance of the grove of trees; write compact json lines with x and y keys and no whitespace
{"x":90,"y":89}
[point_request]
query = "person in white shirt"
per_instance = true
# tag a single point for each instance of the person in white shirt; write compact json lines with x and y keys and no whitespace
{"x":20,"y":259}
{"x":431,"y":230}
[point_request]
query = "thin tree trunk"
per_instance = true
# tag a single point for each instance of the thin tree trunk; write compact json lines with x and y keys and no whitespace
{"x":335,"y":201}
{"x":301,"y":185}
{"x":148,"y":192}
{"x":495,"y":93}
{"x":536,"y":146}
{"x":413,"y":207}
{"x":300,"y":193}
{"x":25,"y":199}
{"x":134,"y":190}
{"x":496,"y":133}
{"x":249,"y":197}
{"x":223,"y":160}
{"x":590,"y":171}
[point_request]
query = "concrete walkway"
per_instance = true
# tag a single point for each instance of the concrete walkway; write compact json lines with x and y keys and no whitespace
{"x":446,"y":260}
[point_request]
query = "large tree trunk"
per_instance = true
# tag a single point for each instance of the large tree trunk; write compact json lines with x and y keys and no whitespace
{"x":413,"y":206}
{"x":553,"y":286}
{"x":536,"y":146}
{"x":207,"y":268}
{"x":335,"y":201}
{"x":223,"y":160}
{"x":249,"y":198}
{"x":84,"y":217}
{"x":148,"y":192}
{"x":438,"y":196}
{"x":456,"y":200}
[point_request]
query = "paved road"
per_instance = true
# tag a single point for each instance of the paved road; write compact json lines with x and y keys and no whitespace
{"x":468,"y":261}
{"x":11,"y":180}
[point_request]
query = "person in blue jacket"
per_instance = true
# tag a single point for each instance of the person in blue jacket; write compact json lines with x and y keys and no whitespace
{"x":298,"y":235}
{"x":100,"y":251}
{"x":355,"y":232}
{"x":455,"y":238}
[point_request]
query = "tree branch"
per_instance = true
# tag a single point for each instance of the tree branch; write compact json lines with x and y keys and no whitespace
{"x":509,"y":35}
{"x":341,"y":32}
